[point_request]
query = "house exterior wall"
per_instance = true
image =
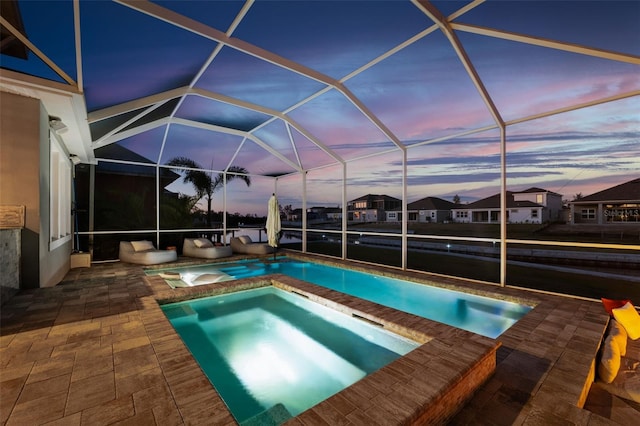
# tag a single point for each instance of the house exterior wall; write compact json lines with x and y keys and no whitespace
{"x":514,"y":215}
{"x":606,"y":213}
{"x":551,"y":201}
{"x":555,"y":209}
{"x":24,"y":167}
{"x":366,"y":215}
{"x":526,"y":215}
{"x":371,"y":208}
{"x":461,"y":216}
{"x":394,"y":216}
{"x":420,"y":216}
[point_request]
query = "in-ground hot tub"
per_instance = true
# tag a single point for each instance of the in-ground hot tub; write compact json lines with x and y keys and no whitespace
{"x":427,"y":385}
{"x":270,"y":352}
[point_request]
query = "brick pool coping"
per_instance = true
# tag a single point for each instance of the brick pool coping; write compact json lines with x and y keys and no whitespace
{"x":428,"y":385}
{"x":81,"y":353}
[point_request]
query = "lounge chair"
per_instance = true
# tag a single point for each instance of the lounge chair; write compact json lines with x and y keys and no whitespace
{"x":244,"y":245}
{"x":144,"y":253}
{"x":204,"y":248}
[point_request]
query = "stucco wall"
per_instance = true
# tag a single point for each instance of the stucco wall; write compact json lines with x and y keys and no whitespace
{"x":24,"y":168}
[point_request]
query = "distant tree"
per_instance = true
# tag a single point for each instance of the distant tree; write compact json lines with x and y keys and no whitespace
{"x":177,"y":212}
{"x":578,"y":196}
{"x":206,"y":183}
{"x":456,"y":199}
{"x":286,"y":211}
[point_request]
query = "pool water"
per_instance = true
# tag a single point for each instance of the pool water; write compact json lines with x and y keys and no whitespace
{"x":272,"y":354}
{"x":482,"y":315}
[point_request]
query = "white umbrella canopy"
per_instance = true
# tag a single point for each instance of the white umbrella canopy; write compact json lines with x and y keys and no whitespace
{"x":273,"y":221}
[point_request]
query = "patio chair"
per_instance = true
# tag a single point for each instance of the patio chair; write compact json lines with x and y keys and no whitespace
{"x":144,"y":253}
{"x":203,"y":248}
{"x":244,"y":245}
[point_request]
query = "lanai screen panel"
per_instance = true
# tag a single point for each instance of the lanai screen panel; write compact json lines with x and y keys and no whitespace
{"x":526,"y":80}
{"x":578,"y":152}
{"x":205,"y":110}
{"x":247,"y":200}
{"x":258,"y":160}
{"x":468,"y":167}
{"x":47,"y":24}
{"x":290,"y":196}
{"x":341,"y":126}
{"x":422,"y":92}
{"x":277,"y":136}
{"x":586,"y":23}
{"x":129,"y":120}
{"x":247,"y":78}
{"x":144,"y":56}
{"x":324,"y":189}
{"x":217,"y":14}
{"x":141,"y":148}
{"x":211,"y":150}
{"x":334,"y":38}
{"x":311,"y":155}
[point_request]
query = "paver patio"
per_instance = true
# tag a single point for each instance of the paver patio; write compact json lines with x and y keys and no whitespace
{"x":92,"y":351}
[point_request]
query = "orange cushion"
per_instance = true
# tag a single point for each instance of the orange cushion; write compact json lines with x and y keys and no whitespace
{"x":611,"y":304}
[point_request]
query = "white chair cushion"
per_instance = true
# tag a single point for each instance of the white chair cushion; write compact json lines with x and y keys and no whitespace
{"x":210,"y":278}
{"x":142,"y":245}
{"x":202,"y":243}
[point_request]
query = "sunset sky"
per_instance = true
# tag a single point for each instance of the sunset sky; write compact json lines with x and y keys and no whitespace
{"x":419,"y":93}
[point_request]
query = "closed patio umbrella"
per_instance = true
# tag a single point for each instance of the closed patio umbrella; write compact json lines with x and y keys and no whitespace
{"x":273,"y":222}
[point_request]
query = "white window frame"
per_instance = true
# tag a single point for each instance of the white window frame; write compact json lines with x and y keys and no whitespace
{"x":60,"y":175}
{"x":588,"y":213}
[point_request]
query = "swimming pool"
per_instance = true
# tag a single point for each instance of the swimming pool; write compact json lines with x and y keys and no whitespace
{"x":482,"y":315}
{"x":272,"y":354}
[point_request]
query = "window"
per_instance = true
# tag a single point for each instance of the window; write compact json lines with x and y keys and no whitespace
{"x":588,"y":213}
{"x":59,"y":195}
{"x":392,"y":215}
{"x":534,"y":213}
{"x":539,"y":199}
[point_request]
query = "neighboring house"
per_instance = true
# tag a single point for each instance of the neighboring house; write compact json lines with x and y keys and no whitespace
{"x":317,"y":214}
{"x":551,"y":201}
{"x":533,"y":205}
{"x":333,"y":213}
{"x":425,"y":210}
{"x":371,"y":208}
{"x":616,"y":205}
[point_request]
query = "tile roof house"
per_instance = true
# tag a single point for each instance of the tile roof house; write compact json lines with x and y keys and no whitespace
{"x":533,"y":205}
{"x":371,"y":208}
{"x":428,"y":209}
{"x":616,"y":205}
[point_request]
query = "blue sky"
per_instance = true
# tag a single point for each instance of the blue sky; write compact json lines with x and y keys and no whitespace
{"x":419,"y":93}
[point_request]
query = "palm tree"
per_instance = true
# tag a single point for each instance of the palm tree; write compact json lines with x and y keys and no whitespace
{"x":205,"y":183}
